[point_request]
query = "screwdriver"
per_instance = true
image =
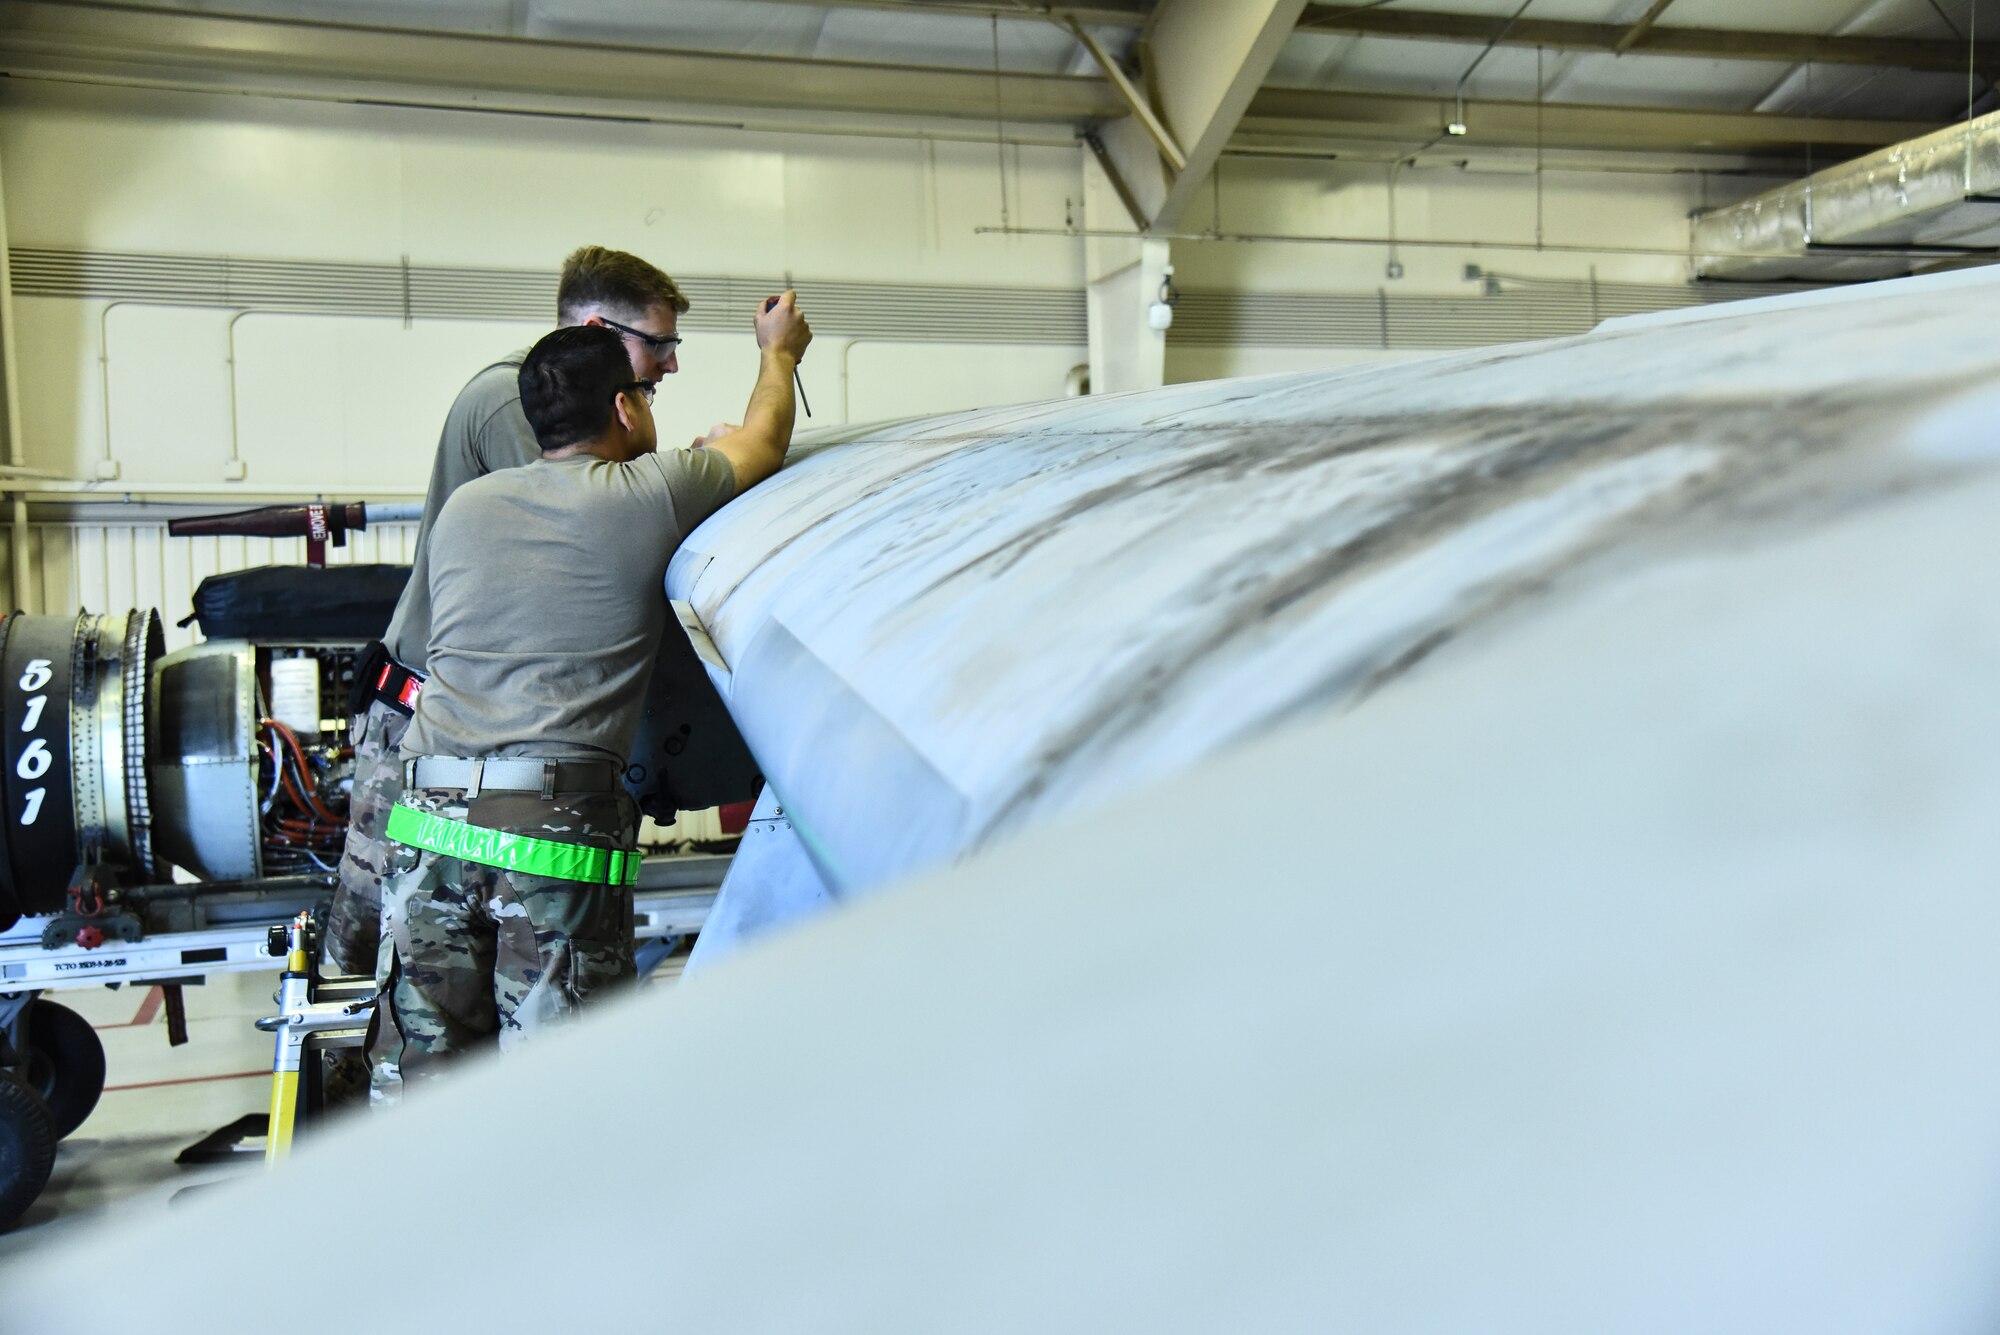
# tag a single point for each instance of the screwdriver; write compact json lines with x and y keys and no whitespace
{"x":806,"y":403}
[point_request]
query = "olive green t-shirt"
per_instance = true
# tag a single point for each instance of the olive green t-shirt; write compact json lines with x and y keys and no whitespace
{"x":484,"y":432}
{"x":547,"y":602}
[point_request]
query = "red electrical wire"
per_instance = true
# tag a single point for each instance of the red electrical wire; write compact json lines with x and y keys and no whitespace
{"x":309,"y":798}
{"x":282,"y":771}
{"x":303,"y":771}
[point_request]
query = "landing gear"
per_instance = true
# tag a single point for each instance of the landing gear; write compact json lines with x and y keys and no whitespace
{"x":51,"y":1072}
{"x":27,"y":1148}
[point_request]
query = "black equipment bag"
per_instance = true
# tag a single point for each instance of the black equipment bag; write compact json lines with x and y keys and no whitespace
{"x":347,"y":602}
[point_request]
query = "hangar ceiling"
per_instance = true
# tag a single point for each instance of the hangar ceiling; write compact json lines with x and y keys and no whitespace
{"x":1700,"y":76}
{"x":1159,"y":88}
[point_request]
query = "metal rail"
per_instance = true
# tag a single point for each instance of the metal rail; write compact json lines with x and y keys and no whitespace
{"x":222,"y":927}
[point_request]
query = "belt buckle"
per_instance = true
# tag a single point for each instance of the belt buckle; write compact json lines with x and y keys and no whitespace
{"x":548,"y":780}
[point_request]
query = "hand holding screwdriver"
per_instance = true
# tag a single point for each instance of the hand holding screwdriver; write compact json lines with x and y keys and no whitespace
{"x":793,"y":335}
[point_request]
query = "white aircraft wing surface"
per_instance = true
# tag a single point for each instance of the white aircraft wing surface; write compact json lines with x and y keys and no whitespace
{"x":1564,"y":901}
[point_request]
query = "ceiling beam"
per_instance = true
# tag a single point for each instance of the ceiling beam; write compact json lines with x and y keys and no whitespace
{"x":1204,"y":62}
{"x":1706,"y":43}
{"x":121,"y":45}
{"x":1103,"y":13}
{"x":1135,"y":101}
{"x":1278,"y":114}
{"x":140,"y":45}
{"x":1208,"y":60}
{"x":1642,"y":26}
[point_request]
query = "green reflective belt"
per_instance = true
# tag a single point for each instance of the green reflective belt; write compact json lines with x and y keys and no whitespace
{"x":512,"y":852}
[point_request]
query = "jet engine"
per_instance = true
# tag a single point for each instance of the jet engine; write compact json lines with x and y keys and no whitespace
{"x":228,"y":759}
{"x":231,"y":759}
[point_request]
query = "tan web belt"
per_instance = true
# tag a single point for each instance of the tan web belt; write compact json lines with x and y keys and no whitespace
{"x":513,"y":774}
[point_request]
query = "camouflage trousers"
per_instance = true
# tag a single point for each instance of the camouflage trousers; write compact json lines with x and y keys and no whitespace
{"x":353,"y":926}
{"x":475,"y":956}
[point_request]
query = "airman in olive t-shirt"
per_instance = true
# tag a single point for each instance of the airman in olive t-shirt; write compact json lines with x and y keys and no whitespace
{"x":485,"y":432}
{"x":507,"y":902}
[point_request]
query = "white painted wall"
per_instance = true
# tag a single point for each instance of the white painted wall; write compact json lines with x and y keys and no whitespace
{"x":1497,"y":205}
{"x":1626,"y":213}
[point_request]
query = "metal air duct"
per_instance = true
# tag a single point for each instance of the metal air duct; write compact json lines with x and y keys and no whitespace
{"x":1893,"y":212}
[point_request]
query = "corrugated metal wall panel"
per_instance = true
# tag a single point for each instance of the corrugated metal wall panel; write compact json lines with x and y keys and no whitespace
{"x":109,"y":567}
{"x":408,"y":291}
{"x":940,"y":312}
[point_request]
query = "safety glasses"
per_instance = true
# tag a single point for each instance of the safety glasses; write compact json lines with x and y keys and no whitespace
{"x":660,"y":345}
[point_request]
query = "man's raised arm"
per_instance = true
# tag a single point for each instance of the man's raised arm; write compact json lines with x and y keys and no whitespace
{"x":756,"y":451}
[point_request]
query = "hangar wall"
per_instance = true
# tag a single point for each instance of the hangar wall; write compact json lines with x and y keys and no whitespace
{"x":168,"y":401}
{"x":334,"y":399}
{"x":1261,"y":305}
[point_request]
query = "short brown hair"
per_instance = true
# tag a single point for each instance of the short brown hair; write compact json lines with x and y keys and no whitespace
{"x":596,"y":278}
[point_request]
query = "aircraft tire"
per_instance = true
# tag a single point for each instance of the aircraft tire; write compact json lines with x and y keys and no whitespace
{"x":27,"y":1148}
{"x":65,"y":1064}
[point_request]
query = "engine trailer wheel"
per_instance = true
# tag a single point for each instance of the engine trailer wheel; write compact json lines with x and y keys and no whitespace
{"x":65,"y":1064}
{"x":27,"y":1149}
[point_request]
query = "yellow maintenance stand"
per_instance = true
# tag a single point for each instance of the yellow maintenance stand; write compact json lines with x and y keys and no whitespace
{"x":315,"y":1015}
